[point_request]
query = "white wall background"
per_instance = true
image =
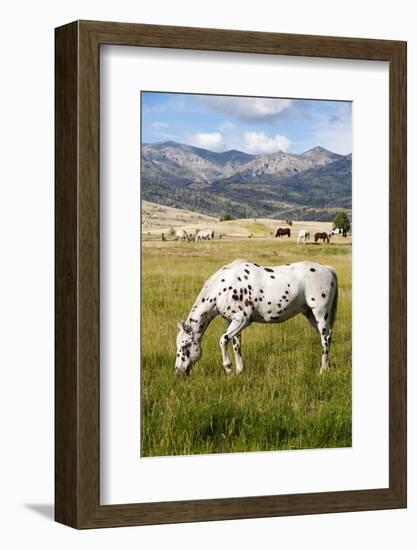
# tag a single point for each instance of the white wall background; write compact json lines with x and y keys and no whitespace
{"x":26,"y":277}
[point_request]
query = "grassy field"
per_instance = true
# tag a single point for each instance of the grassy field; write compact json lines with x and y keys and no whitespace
{"x":279,"y":401}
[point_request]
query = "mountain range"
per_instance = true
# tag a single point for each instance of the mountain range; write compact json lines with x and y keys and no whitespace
{"x":310,"y":185}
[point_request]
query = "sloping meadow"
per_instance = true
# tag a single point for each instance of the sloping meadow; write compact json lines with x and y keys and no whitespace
{"x":279,"y":401}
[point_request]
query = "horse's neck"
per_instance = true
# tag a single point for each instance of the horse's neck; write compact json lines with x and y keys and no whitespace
{"x":200,"y":317}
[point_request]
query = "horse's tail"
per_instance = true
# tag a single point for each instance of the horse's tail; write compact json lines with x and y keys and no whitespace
{"x":333,"y":307}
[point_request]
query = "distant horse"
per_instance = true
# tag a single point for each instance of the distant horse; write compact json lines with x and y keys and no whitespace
{"x":323,"y":236}
{"x":182,"y":235}
{"x":303,"y":235}
{"x":244,"y":292}
{"x":207,"y":235}
{"x":283,"y":231}
{"x":341,"y":231}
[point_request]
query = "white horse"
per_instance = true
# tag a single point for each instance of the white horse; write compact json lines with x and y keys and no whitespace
{"x":207,"y":235}
{"x":303,"y":235}
{"x":182,"y":235}
{"x":244,"y":292}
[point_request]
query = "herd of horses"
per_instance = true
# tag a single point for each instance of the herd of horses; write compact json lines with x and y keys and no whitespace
{"x":182,"y":235}
{"x":303,"y":235}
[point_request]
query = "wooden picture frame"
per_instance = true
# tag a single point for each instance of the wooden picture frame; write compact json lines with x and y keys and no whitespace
{"x":77,"y":382}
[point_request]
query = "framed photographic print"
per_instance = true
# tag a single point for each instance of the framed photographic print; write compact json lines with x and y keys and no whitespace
{"x":230,"y":274}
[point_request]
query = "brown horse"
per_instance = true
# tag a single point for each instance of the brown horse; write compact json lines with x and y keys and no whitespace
{"x":282,"y":232}
{"x":323,"y":236}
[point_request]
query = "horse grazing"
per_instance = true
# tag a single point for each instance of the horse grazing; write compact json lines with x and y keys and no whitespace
{"x":244,"y":292}
{"x":303,"y":236}
{"x":182,"y":235}
{"x":323,"y":236}
{"x":341,"y":231}
{"x":205,"y":235}
{"x":281,"y":232}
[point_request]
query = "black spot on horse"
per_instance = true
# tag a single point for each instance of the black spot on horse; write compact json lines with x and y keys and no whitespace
{"x":275,"y":317}
{"x":323,"y":331}
{"x":223,"y":280}
{"x":269,"y":303}
{"x":239,"y":279}
{"x":224,"y":290}
{"x":240,"y":308}
{"x":313,"y":299}
{"x":245,"y":290}
{"x":256,"y":299}
{"x":261,"y":291}
{"x":323,"y":295}
{"x":228,"y":307}
{"x":257,"y":265}
{"x":235,"y":297}
{"x":283,"y":296}
{"x":244,"y":314}
{"x":247,"y":271}
{"x":269,"y":269}
{"x":332,"y":283}
{"x":203,"y":300}
{"x":230,"y":288}
{"x":272,"y":276}
{"x":226,"y":338}
{"x":246,"y":277}
{"x":249,"y":287}
{"x":312,"y":269}
{"x":289,"y":285}
{"x":269,"y":311}
{"x":286,"y":292}
{"x":326,"y":316}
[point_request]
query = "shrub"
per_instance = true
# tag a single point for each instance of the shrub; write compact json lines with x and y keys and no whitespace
{"x":225,"y":217}
{"x":341,"y":219}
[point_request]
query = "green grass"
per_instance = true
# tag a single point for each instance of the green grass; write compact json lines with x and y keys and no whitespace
{"x":279,"y":401}
{"x":258,"y":229}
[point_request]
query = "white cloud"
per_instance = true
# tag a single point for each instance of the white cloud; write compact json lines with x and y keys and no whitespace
{"x":208,"y":140}
{"x":250,"y":109}
{"x":227,"y":125}
{"x":259,"y":142}
{"x":157,"y":125}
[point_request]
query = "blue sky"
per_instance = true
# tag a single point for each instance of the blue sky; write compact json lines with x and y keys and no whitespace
{"x":250,"y":124}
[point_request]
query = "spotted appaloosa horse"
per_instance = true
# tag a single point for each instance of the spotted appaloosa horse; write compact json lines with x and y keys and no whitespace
{"x":341,"y":231}
{"x":281,"y":232}
{"x":244,"y":292}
